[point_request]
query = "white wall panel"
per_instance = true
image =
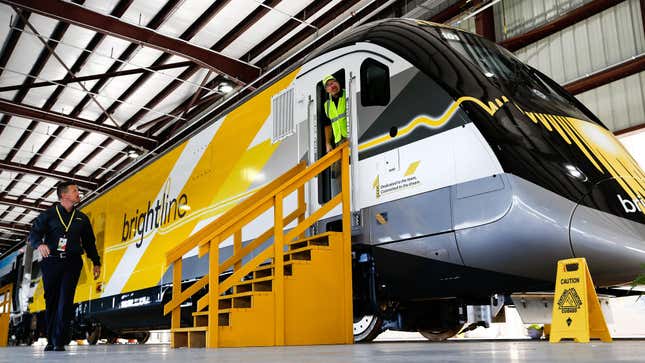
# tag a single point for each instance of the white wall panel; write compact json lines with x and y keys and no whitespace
{"x":619,"y":104}
{"x":603,"y":40}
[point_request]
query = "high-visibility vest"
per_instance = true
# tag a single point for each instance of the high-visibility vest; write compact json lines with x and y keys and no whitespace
{"x":338,"y":117}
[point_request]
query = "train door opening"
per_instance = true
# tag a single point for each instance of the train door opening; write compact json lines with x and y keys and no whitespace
{"x":329,"y":181}
{"x":365,"y":84}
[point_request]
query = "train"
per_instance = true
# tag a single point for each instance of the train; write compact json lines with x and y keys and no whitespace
{"x":472,"y":174}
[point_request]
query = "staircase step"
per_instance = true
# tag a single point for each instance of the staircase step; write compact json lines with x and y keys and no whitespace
{"x":267,"y":270}
{"x":239,"y":300}
{"x":193,"y":337}
{"x":200,"y":319}
{"x":317,"y":240}
{"x":259,"y":284}
{"x":302,"y":254}
{"x":189,"y":329}
{"x":223,"y":318}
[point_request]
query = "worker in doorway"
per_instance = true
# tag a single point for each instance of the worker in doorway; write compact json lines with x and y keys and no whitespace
{"x":61,"y":234}
{"x":336,"y":129}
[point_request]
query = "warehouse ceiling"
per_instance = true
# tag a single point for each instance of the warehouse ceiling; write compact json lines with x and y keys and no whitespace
{"x":89,"y":88}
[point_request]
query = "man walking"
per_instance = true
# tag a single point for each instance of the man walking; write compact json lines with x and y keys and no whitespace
{"x":61,"y":234}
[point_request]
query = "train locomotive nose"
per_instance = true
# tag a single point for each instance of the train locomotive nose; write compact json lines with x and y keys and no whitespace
{"x":608,"y":229}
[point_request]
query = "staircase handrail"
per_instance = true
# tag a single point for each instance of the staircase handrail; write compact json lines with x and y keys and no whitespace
{"x":231,"y":223}
{"x":229,"y":217}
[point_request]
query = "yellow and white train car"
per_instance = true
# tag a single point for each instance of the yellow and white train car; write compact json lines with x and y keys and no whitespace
{"x":471,"y":175}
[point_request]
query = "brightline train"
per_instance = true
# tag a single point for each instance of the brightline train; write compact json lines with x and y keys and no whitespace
{"x":472,"y":174}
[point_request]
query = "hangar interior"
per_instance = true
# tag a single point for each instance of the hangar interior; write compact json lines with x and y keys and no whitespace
{"x":94,"y":91}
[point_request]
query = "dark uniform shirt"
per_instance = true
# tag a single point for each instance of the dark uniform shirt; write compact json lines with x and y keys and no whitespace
{"x":80,"y":235}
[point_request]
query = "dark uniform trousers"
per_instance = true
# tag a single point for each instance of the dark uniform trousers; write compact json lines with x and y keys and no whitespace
{"x":60,"y":276}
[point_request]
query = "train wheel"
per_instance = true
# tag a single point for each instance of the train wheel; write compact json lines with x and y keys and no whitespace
{"x":112,"y":338}
{"x":367,"y":328}
{"x":440,"y":334}
{"x":94,"y":335}
{"x":142,"y":338}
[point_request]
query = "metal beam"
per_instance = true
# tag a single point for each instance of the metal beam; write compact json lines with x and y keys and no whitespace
{"x":485,"y":22}
{"x":176,"y":112}
{"x":188,"y":34}
{"x":595,"y":80}
{"x":161,"y":17}
{"x":14,"y":35}
{"x":22,"y":168}
{"x":21,"y":110}
{"x":17,"y":227}
{"x":579,"y":14}
{"x":630,"y":130}
{"x":22,"y":204}
{"x":35,"y":70}
{"x":199,"y":106}
{"x":69,"y":71}
{"x":220,"y":45}
{"x":119,"y":9}
{"x":105,"y":24}
{"x":285,"y":29}
{"x":452,"y":11}
{"x":157,"y":21}
{"x":86,"y":160}
{"x":9,"y":242}
{"x":106,"y":168}
{"x":124,"y":163}
{"x":128,"y":72}
{"x":320,"y":22}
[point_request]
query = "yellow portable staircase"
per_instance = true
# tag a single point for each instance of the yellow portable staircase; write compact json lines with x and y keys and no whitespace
{"x":5,"y":313}
{"x":302,"y":297}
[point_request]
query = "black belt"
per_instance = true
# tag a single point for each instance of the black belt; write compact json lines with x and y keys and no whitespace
{"x":63,"y":255}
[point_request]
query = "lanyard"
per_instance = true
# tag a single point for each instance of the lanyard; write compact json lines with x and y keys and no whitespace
{"x":60,"y":218}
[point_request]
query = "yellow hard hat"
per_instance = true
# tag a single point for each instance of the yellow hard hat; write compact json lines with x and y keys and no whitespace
{"x":327,"y":78}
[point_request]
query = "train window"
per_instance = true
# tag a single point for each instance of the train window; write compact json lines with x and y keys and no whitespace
{"x":375,"y":83}
{"x":496,"y":62}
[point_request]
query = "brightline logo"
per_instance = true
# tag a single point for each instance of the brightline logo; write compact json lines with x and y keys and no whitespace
{"x":631,"y":206}
{"x":164,"y":211}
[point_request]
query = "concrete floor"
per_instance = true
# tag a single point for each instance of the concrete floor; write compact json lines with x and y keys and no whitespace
{"x":408,"y":352}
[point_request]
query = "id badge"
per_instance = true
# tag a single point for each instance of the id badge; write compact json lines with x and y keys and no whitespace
{"x":62,"y":244}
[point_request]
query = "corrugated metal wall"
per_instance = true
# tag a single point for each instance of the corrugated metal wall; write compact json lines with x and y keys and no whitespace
{"x":468,"y":25}
{"x":603,"y":40}
{"x":618,"y":104}
{"x":599,"y":42}
{"x":516,"y":17}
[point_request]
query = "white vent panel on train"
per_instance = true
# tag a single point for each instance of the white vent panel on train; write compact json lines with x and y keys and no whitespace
{"x":282,"y":106}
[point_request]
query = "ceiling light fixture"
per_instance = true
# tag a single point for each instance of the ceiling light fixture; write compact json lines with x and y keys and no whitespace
{"x":224,"y":87}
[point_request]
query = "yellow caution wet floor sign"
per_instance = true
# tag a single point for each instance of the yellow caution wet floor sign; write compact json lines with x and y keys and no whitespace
{"x":576,"y":309}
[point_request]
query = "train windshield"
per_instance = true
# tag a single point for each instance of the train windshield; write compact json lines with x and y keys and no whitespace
{"x":499,"y":64}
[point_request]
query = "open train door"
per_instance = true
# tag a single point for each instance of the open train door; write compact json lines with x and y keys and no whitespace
{"x":327,"y":184}
{"x":608,"y":216}
{"x":365,"y":78}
